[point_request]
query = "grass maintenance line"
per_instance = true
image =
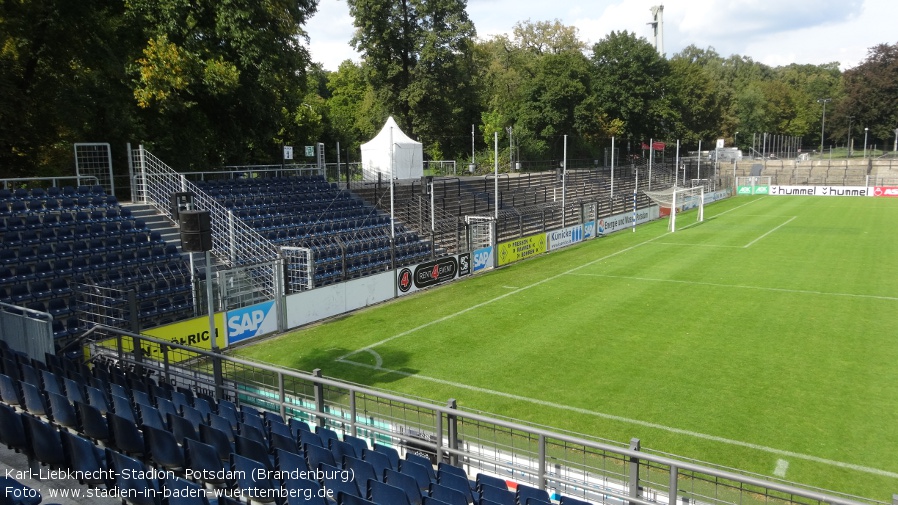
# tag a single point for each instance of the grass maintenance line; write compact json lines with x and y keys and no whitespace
{"x":742,"y":286}
{"x":638,"y":422}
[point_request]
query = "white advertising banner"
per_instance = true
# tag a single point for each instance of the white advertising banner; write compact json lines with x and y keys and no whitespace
{"x":619,"y":222}
{"x":776,"y":190}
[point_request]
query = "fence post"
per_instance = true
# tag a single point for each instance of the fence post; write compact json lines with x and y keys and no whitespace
{"x":319,"y":398}
{"x":134,"y":321}
{"x":452,"y":428}
{"x":352,"y":413}
{"x":282,"y":396}
{"x":541,"y":479}
{"x":216,"y":371}
{"x":634,"y":469}
{"x":672,"y":493}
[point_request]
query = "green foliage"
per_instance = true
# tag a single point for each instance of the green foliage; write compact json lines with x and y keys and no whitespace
{"x":871,"y":96}
{"x":418,"y":61}
{"x":205,"y":83}
{"x":629,"y":79}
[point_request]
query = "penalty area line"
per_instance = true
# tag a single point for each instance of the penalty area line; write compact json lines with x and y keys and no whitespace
{"x":638,"y":422}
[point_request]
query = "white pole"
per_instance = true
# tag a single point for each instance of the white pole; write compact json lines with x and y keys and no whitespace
{"x":564,"y":184}
{"x":699,"y":163}
{"x":676,"y":163}
{"x":496,"y":173}
{"x":672,"y":224}
{"x":392,"y":218}
{"x":433,"y":219}
{"x":635,"y":188}
{"x":651,"y":156}
{"x":210,"y":303}
{"x":612,"y":167}
{"x":472,"y":145}
{"x":735,"y":186}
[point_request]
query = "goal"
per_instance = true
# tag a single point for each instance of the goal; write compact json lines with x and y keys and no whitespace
{"x":674,"y":200}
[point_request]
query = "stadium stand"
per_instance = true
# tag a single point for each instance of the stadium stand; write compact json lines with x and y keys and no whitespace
{"x":128,"y":436}
{"x":55,"y":246}
{"x":349,"y":238}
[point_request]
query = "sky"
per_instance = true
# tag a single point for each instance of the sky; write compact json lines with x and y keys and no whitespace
{"x":773,"y":32}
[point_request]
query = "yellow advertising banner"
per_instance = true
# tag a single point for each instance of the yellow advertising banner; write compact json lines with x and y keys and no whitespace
{"x":192,"y":332}
{"x":516,"y":250}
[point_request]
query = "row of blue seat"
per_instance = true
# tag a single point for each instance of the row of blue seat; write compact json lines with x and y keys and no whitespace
{"x":64,"y":204}
{"x":7,"y":194}
{"x":50,"y":247}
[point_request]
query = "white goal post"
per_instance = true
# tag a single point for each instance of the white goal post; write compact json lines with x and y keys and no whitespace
{"x":676,"y":200}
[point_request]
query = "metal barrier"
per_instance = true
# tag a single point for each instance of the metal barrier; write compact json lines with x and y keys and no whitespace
{"x":596,"y":470}
{"x":28,"y":331}
{"x":234,"y":243}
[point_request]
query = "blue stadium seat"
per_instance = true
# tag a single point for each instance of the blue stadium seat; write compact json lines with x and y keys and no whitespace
{"x":408,"y":484}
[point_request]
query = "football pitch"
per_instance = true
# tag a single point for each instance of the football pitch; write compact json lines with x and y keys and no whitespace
{"x":762,"y":339}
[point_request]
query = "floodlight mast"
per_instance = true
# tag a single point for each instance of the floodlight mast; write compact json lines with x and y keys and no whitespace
{"x":657,"y":25}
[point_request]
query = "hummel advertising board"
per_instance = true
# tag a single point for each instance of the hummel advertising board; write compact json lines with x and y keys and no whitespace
{"x":776,"y":190}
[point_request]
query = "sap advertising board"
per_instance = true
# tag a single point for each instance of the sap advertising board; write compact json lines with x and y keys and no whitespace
{"x":253,"y":321}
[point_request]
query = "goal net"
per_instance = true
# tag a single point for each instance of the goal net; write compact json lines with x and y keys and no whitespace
{"x":674,"y":200}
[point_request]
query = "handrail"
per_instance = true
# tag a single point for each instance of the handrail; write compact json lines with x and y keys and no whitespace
{"x":512,"y":426}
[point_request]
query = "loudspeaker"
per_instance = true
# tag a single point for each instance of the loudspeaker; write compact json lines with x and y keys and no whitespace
{"x":196,"y":230}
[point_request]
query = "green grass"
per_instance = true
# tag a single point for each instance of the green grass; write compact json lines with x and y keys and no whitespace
{"x":769,"y":326}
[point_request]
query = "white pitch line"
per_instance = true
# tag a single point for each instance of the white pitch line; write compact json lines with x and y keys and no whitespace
{"x":716,"y":246}
{"x":378,"y":361}
{"x":746,"y":246}
{"x":496,"y":299}
{"x":781,"y":467}
{"x":742,"y":286}
{"x":679,"y":431}
{"x":518,"y":290}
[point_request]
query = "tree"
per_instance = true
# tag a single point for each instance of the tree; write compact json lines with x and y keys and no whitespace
{"x":226,"y":79}
{"x":62,"y":80}
{"x":418,"y":57}
{"x":696,"y":102}
{"x":629,"y":76}
{"x":547,"y":37}
{"x":871,"y":94}
{"x":558,"y":101}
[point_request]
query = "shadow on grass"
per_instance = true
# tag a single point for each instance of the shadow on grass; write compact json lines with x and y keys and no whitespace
{"x":370,"y":368}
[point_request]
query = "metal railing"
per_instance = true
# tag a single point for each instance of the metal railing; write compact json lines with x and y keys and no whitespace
{"x":567,"y":464}
{"x":233,"y":242}
{"x":26,"y":330}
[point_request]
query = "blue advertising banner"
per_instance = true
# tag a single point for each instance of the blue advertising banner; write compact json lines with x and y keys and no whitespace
{"x":252,"y":321}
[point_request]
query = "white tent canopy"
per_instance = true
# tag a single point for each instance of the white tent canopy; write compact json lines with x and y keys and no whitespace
{"x":407,"y":155}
